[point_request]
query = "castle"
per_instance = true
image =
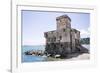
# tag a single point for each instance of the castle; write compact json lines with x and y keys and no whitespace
{"x":64,"y":40}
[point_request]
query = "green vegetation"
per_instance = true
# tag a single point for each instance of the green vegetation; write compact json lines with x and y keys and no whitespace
{"x":85,"y":40}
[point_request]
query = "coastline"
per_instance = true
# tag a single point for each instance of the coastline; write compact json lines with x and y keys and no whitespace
{"x":40,"y":57}
{"x":84,"y":56}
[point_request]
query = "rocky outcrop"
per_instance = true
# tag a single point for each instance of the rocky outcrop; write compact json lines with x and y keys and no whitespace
{"x":36,"y":53}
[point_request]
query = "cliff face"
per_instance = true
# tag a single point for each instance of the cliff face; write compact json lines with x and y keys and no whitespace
{"x":65,"y":40}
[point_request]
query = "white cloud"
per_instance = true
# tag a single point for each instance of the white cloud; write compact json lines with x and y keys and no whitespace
{"x":85,"y":33}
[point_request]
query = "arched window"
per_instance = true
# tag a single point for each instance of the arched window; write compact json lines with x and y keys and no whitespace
{"x":54,"y":39}
{"x":46,"y":35}
{"x":60,"y":37}
{"x":63,"y":30}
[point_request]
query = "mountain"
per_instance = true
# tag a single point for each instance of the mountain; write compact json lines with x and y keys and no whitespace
{"x":85,"y":40}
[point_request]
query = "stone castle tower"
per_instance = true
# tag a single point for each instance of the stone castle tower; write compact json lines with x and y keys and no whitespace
{"x":65,"y":40}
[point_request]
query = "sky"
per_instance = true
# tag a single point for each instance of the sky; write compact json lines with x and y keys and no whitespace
{"x":35,"y":23}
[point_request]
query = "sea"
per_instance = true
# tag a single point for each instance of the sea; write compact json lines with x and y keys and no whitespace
{"x":31,"y":58}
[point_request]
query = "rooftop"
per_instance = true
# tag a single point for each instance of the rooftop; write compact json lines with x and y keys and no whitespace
{"x":63,"y":16}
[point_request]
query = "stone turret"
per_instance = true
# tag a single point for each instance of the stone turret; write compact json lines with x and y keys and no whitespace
{"x":63,"y":21}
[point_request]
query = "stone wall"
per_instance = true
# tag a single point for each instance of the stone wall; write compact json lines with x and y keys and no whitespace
{"x":58,"y":48}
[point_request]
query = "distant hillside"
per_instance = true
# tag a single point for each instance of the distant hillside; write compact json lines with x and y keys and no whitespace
{"x":85,"y":40}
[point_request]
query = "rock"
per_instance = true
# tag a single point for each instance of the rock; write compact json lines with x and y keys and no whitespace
{"x":57,"y":56}
{"x":82,"y":49}
{"x":35,"y":53}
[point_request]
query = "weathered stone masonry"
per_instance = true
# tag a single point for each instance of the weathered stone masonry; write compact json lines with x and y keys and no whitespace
{"x":65,"y":40}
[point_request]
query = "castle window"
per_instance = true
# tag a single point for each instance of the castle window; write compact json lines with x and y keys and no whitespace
{"x":54,"y":38}
{"x":46,"y":34}
{"x":61,"y":45}
{"x":63,"y":30}
{"x":60,"y":37}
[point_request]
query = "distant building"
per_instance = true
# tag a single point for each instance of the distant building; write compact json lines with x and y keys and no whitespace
{"x":65,"y":40}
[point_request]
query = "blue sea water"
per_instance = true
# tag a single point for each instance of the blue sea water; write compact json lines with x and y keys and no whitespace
{"x":31,"y":58}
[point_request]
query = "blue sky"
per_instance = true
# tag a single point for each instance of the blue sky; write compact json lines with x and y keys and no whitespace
{"x":35,"y":23}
